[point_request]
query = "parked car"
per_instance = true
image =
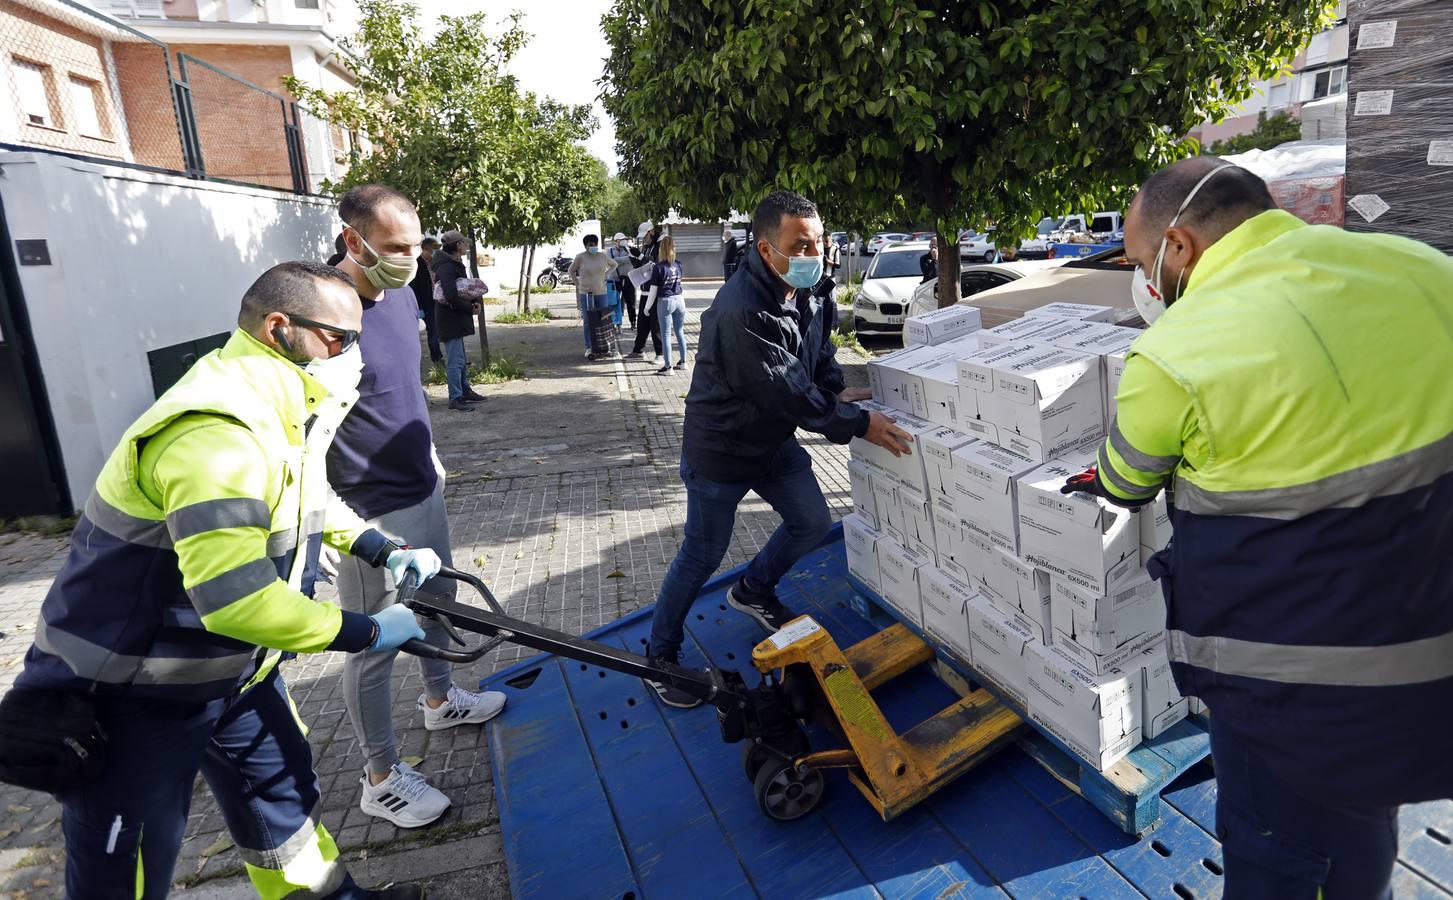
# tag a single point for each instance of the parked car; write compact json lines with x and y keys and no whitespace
{"x":922,"y":235}
{"x":975,"y":246}
{"x":1102,"y":226}
{"x":1037,"y":247}
{"x":883,"y":238}
{"x":888,"y":285}
{"x":843,"y":240}
{"x":1102,"y":279}
{"x":977,"y":277}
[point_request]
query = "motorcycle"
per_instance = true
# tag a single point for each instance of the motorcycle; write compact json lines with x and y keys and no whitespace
{"x":557,"y":273}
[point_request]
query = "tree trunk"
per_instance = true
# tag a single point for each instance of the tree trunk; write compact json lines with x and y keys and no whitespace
{"x":474,"y":273}
{"x":529,"y":267}
{"x":949,"y":289}
{"x":524,"y":279}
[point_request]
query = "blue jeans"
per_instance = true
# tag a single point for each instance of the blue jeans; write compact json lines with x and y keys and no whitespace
{"x":587,"y":302}
{"x":672,"y":311}
{"x":711,"y":510}
{"x":455,"y":367}
{"x":1282,"y":845}
{"x":251,"y":750}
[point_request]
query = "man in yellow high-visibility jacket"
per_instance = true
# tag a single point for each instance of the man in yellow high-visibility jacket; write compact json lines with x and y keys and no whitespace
{"x":190,"y":574}
{"x":1292,"y":396}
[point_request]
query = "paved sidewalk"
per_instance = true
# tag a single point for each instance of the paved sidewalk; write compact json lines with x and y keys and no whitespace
{"x":563,"y":495}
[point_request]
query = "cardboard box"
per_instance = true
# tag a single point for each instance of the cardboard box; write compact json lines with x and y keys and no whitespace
{"x":908,"y":468}
{"x":917,"y":523}
{"x":976,"y":370}
{"x":898,"y":569}
{"x":1100,"y":663}
{"x":1020,"y":591}
{"x":1021,"y":330}
{"x":875,"y":456}
{"x":1108,"y":343}
{"x":941,"y":325}
{"x":1096,"y":716}
{"x":979,"y":555}
{"x":1161,"y":703}
{"x":890,"y":514}
{"x":1045,"y":402}
{"x":1083,"y":311}
{"x":1000,"y":646}
{"x":937,"y":448}
{"x":1155,"y":529}
{"x":951,"y":543}
{"x":1078,"y":537}
{"x":938,"y":383}
{"x":861,"y":543}
{"x":865,"y":506}
{"x":1104,"y":623}
{"x":985,"y":481}
{"x":1197,"y":708}
{"x":945,"y":611}
{"x":892,"y":382}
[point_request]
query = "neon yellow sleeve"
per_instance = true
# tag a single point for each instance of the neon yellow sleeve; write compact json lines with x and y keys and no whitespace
{"x":211,"y":477}
{"x":1144,"y":445}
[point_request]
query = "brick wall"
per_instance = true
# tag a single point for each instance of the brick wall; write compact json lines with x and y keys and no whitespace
{"x":62,"y":52}
{"x":240,"y":129}
{"x":146,"y":97}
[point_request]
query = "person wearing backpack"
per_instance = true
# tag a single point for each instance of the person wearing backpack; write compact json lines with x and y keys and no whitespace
{"x":455,"y":318}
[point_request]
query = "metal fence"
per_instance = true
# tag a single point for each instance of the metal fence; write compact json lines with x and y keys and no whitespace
{"x":83,"y":84}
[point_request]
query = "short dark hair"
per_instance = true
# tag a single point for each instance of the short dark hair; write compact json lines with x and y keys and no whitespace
{"x":776,"y":206}
{"x":360,"y":206}
{"x":592,"y":240}
{"x":291,"y":288}
{"x":1224,"y":202}
{"x":428,"y":242}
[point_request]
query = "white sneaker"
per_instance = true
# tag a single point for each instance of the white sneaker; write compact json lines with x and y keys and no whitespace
{"x":462,"y":708}
{"x":404,"y":798}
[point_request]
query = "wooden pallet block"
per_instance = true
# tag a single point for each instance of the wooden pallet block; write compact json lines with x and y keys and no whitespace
{"x":1128,"y":792}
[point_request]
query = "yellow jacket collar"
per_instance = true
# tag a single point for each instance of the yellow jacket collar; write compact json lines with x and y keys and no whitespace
{"x":275,"y":377}
{"x":1255,"y":232}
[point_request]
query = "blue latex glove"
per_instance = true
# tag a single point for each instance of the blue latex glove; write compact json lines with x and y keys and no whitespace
{"x":396,"y":624}
{"x":423,"y":561}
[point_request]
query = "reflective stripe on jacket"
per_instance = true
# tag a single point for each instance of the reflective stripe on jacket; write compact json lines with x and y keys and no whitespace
{"x":1296,"y":402}
{"x":199,"y":544}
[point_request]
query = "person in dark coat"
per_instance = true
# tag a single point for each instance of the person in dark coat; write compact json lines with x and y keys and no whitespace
{"x":765,"y":367}
{"x":455,"y":318}
{"x":928,"y":262}
{"x":730,"y":253}
{"x":423,"y":286}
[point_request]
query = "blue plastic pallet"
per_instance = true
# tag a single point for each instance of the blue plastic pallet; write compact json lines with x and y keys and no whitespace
{"x":603,"y":792}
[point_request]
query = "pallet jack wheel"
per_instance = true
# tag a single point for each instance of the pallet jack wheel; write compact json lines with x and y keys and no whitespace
{"x":785,"y":792}
{"x":753,"y":758}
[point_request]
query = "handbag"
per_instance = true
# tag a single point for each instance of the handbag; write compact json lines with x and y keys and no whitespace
{"x":50,"y":740}
{"x":471,"y":289}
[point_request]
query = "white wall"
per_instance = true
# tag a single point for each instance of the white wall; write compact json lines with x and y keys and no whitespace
{"x":139,"y":261}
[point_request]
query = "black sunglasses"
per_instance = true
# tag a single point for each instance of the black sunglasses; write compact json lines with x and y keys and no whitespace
{"x":347,"y":337}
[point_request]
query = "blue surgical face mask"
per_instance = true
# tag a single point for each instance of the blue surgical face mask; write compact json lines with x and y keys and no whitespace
{"x":802,"y":271}
{"x":592,"y":249}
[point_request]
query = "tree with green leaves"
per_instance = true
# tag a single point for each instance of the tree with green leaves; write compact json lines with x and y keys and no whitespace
{"x":444,"y":119}
{"x":1270,"y":131}
{"x":955,"y":112}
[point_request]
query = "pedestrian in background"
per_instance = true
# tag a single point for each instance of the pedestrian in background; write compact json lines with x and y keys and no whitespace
{"x":928,"y":262}
{"x":456,"y":319}
{"x":624,"y":261}
{"x":730,"y":253}
{"x":589,"y":272}
{"x":665,"y":287}
{"x":423,"y":285}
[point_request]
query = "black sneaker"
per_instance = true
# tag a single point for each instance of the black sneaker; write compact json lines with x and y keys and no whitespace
{"x":669,"y":694}
{"x":396,"y":892}
{"x":473,"y":396}
{"x":765,"y":608}
{"x":460,"y":406}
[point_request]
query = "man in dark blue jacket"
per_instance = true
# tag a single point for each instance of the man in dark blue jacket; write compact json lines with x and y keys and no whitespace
{"x":764,"y":368}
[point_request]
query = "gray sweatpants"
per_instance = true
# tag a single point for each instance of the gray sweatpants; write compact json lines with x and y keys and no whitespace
{"x":368,"y":677}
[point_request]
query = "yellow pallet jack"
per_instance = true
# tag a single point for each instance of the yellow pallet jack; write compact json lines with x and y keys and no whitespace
{"x":805,"y":678}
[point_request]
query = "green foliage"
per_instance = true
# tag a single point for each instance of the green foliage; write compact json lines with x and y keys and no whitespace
{"x":523,"y":318}
{"x":1271,"y":131}
{"x":846,"y":294}
{"x":848,"y":340}
{"x":625,"y":207}
{"x":960,"y":114}
{"x":500,"y":369}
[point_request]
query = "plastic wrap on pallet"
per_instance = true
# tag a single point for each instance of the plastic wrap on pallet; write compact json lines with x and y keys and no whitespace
{"x":1397,"y":42}
{"x":1306,"y":178}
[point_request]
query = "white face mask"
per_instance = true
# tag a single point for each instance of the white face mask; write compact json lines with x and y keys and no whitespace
{"x":1147,"y":292}
{"x":339,"y":374}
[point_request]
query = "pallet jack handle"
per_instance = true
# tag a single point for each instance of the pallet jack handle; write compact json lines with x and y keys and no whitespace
{"x":711,"y":686}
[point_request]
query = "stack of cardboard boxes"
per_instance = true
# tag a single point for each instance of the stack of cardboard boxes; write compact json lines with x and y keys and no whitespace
{"x":1045,"y":595}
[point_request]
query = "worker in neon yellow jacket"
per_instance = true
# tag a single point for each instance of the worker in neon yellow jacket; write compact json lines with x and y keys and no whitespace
{"x":190,"y":576}
{"x":1292,"y":397}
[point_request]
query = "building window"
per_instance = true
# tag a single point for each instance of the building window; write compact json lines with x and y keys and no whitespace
{"x":32,"y":93}
{"x":85,"y":110}
{"x":1278,"y":95}
{"x":1329,"y":82}
{"x":307,"y":4}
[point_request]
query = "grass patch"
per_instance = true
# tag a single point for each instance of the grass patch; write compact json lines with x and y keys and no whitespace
{"x":847,"y":294}
{"x":523,"y":318}
{"x":501,"y":369}
{"x":848,"y":340}
{"x":546,"y":288}
{"x":47,"y":526}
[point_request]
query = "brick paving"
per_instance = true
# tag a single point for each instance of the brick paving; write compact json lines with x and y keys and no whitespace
{"x":579,"y":542}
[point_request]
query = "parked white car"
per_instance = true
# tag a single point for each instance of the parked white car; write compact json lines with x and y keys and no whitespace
{"x":1101,"y":225}
{"x":976,"y":278}
{"x":888,"y":286}
{"x":975,"y":246}
{"x":882,"y":239}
